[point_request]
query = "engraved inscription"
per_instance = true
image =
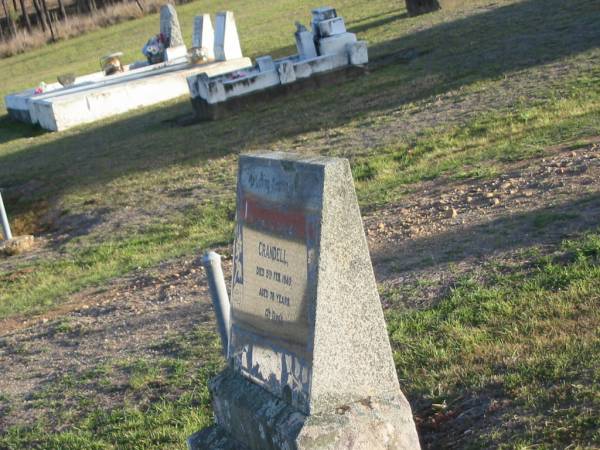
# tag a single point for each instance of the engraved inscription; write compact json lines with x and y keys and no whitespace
{"x":273,"y":296}
{"x":278,"y":219}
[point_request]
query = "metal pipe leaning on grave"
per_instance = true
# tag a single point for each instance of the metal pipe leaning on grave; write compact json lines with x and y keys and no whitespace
{"x":4,"y":219}
{"x":218,"y":293}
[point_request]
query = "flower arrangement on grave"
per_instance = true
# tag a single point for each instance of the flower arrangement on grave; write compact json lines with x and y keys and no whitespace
{"x":236,"y":74}
{"x":154,"y":49}
{"x":198,"y":55}
{"x":41,"y":88}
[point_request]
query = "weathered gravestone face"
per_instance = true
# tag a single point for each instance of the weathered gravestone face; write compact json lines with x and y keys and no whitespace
{"x":169,"y":26}
{"x":227,"y":41}
{"x":275,"y":274}
{"x":306,"y":320}
{"x":203,"y":35}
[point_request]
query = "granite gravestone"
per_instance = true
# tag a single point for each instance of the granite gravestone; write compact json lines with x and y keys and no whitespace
{"x":169,"y":26}
{"x":310,"y":361}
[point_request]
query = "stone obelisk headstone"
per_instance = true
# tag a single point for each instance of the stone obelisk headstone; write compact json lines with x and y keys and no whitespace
{"x":310,"y":361}
{"x":204,"y":35}
{"x":227,"y":41}
{"x":169,"y":26}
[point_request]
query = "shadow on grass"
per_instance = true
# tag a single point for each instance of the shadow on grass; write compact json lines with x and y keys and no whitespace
{"x":543,"y":226}
{"x":373,"y":17}
{"x":376,"y":23}
{"x":482,"y":46}
{"x":11,"y":130}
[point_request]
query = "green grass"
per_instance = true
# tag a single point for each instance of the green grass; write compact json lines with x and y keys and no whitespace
{"x":465,"y":151}
{"x":161,"y":403}
{"x":528,"y":335}
{"x":527,"y":339}
{"x":80,"y":266}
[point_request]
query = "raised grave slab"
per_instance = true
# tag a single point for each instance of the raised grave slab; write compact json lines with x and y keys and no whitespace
{"x":306,"y":78}
{"x":96,"y":102}
{"x":97,"y":96}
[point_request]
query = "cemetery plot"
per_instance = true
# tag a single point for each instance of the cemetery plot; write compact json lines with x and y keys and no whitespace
{"x":119,"y":89}
{"x":326,"y":54}
{"x":477,"y":175}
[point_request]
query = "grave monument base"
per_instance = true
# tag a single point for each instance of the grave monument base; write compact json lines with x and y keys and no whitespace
{"x":250,"y":418}
{"x":205,"y":111}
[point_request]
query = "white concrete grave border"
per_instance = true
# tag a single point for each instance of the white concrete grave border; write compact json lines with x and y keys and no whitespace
{"x":96,"y":96}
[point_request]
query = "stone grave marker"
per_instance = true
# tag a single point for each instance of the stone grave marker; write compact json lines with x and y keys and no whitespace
{"x":227,"y":41}
{"x":204,"y":35}
{"x":169,"y":26}
{"x":310,"y":364}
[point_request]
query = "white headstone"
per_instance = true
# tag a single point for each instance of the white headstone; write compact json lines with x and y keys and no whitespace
{"x":305,"y":43}
{"x":175,"y":54}
{"x":323,"y":13}
{"x":320,"y":14}
{"x":227,"y":42}
{"x":331,"y":27}
{"x":336,"y":44}
{"x":358,"y":53}
{"x":204,"y":35}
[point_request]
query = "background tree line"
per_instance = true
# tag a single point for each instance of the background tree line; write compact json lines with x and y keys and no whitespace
{"x":27,"y":24}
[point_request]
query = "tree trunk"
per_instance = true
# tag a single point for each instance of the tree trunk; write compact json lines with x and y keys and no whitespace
{"x":11,"y":23}
{"x":25,"y":16}
{"x":63,"y":12}
{"x":40,"y":14}
{"x":92,"y":6}
{"x":1,"y":32}
{"x":48,"y":19}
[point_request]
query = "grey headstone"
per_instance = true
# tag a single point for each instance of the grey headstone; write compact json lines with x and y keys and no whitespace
{"x":203,"y":35}
{"x":305,"y":43}
{"x":227,"y":41}
{"x":311,"y":364}
{"x":169,"y":25}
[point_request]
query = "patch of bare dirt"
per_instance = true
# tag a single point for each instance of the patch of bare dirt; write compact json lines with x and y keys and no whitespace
{"x":127,"y":318}
{"x":447,"y":228}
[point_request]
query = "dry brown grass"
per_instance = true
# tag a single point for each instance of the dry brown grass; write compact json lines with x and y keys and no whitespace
{"x":77,"y":25}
